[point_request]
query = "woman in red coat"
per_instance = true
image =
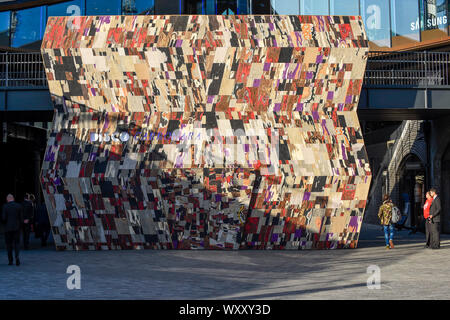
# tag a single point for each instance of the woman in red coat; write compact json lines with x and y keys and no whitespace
{"x":426,"y":214}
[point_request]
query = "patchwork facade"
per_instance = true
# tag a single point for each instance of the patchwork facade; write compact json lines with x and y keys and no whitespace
{"x":214,"y":132}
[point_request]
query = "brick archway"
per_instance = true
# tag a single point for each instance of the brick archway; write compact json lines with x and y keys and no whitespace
{"x":412,"y":142}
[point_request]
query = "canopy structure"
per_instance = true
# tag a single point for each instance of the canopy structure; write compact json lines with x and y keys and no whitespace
{"x":205,"y":132}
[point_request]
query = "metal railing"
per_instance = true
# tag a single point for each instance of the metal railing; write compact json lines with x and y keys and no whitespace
{"x":408,"y":69}
{"x":19,"y":69}
{"x":383,"y":69}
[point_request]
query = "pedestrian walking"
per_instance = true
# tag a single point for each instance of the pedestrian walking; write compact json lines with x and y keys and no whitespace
{"x":434,"y":220}
{"x":42,"y":223}
{"x":426,"y":214}
{"x":406,"y":212}
{"x":12,"y":217}
{"x":385,"y":216}
{"x":28,"y":215}
{"x":34,"y":203}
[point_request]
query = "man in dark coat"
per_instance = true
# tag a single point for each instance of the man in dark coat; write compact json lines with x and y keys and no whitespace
{"x":12,"y":216}
{"x":28,"y":215}
{"x":434,"y":220}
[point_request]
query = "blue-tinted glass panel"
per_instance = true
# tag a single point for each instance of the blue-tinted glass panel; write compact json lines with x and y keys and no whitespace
{"x":210,"y":6}
{"x":243,"y":7}
{"x":314,"y":7}
{"x":375,"y":14}
{"x":404,"y":21}
{"x":103,"y":7}
{"x":4,"y":28}
{"x":286,"y":6}
{"x":136,"y":6}
{"x":69,"y":8}
{"x":344,"y":7}
{"x":27,"y":27}
{"x":433,"y":16}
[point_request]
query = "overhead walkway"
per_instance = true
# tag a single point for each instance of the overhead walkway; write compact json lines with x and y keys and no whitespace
{"x":405,"y":86}
{"x":24,"y":94}
{"x":397,"y":86}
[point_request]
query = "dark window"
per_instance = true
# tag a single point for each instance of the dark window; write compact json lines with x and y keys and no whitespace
{"x":103,"y":7}
{"x":193,"y":7}
{"x":168,"y":6}
{"x":226,"y":7}
{"x":200,"y":7}
{"x":261,"y":7}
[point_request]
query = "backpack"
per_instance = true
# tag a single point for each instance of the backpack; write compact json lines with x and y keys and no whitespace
{"x":396,"y":215}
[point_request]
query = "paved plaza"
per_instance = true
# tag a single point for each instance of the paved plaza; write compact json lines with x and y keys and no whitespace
{"x":407,"y":272}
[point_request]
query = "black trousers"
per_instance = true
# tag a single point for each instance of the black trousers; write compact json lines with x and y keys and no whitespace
{"x":26,"y":235}
{"x":434,"y":234}
{"x":12,"y":239}
{"x":44,"y":230}
{"x":427,"y":232}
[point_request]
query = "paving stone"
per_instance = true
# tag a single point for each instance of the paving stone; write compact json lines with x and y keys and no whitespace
{"x":243,"y":274}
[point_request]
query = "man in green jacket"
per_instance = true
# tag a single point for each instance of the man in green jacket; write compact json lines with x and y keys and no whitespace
{"x":385,"y":215}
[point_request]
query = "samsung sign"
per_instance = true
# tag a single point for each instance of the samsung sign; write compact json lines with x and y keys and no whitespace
{"x":431,"y":23}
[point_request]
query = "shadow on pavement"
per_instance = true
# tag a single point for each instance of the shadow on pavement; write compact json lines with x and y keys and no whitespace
{"x":300,"y":292}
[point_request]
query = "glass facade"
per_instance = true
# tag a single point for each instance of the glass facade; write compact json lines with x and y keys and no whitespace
{"x":242,"y":7}
{"x":69,"y":8}
{"x":433,"y":15}
{"x":376,"y":14}
{"x":285,"y":6}
{"x":389,"y":23}
{"x":137,"y":6}
{"x":405,"y":22}
{"x":344,"y":8}
{"x":319,"y":7}
{"x":4,"y":28}
{"x":27,"y":27}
